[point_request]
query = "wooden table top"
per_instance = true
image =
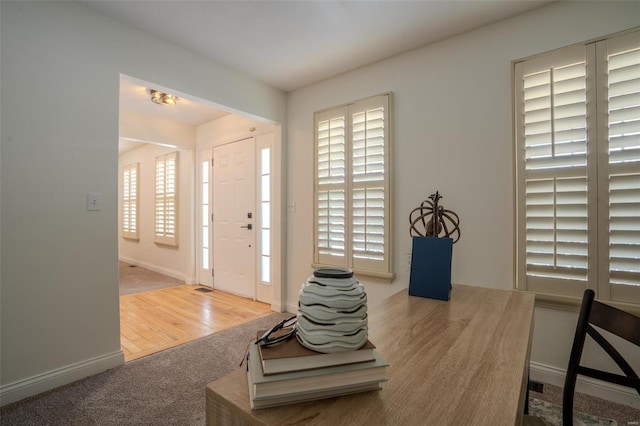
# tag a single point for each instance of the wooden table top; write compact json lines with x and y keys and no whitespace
{"x":460,"y":362}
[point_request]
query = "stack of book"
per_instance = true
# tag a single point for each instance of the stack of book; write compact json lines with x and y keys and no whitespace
{"x":288,"y":372}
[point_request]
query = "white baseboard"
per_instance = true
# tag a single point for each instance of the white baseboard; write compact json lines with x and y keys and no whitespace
{"x":292,"y":307}
{"x":609,"y":391}
{"x":34,"y":385}
{"x":165,"y":271}
{"x":276,"y":307}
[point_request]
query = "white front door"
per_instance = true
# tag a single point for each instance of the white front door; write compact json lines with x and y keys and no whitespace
{"x":234,"y":255}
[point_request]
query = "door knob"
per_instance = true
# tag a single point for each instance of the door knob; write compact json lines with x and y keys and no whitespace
{"x":249,"y":226}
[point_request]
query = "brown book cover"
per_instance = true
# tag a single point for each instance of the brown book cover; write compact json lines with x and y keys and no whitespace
{"x":290,"y":355}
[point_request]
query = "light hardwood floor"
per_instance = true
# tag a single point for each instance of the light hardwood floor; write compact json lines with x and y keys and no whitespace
{"x":160,"y":319}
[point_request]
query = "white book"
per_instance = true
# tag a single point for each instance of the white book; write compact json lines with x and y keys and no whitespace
{"x":313,"y":380}
{"x":306,"y":396}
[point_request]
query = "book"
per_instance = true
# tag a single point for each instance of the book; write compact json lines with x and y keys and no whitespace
{"x":317,"y":379}
{"x":431,"y":267}
{"x":306,"y":396}
{"x":290,"y":356}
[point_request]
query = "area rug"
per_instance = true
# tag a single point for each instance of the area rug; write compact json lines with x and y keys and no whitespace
{"x":136,"y":279}
{"x":167,"y":388}
{"x":551,"y":414}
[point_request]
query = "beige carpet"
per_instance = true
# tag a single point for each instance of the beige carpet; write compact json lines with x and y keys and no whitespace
{"x":166,"y":388}
{"x":136,"y":279}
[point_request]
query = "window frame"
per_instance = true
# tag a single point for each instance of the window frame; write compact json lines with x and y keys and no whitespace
{"x":265,"y":218}
{"x":598,"y":174}
{"x":165,"y":238}
{"x":204,"y":224}
{"x":129,"y":206}
{"x":380,"y":269}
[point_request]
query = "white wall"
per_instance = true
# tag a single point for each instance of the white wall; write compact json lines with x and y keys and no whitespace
{"x":228,"y":129}
{"x":61,"y":64}
{"x":144,"y":127}
{"x":174,"y":261}
{"x":453,"y":133}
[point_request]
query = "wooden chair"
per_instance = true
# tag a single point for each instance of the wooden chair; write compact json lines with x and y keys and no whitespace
{"x":620,"y":323}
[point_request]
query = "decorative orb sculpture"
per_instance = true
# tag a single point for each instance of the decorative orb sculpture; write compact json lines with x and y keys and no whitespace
{"x":430,"y":220}
{"x":332,"y":312}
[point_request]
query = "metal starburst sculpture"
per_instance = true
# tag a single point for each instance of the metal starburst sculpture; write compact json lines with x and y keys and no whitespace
{"x":431,"y":219}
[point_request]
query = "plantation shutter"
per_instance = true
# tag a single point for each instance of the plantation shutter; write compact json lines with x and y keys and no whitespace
{"x":352,"y":184}
{"x":556,"y":199}
{"x":166,"y":199}
{"x":370,"y":188}
{"x":622,"y":166}
{"x":130,"y":201}
{"x":331,"y":191}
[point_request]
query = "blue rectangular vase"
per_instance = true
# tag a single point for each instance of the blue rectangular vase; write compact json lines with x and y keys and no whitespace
{"x":431,"y":268}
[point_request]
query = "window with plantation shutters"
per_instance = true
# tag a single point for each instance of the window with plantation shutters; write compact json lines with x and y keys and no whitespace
{"x":166,"y":197}
{"x":577,"y":127}
{"x":130,"y":201}
{"x":619,"y":109}
{"x":352,"y":181}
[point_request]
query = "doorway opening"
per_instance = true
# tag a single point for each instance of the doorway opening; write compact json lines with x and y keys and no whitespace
{"x":171,"y":229}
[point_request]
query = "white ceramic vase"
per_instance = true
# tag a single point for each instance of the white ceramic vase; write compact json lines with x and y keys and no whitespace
{"x":332,"y":312}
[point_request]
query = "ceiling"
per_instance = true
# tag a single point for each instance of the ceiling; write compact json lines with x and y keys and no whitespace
{"x":291,"y":44}
{"x":135,"y":96}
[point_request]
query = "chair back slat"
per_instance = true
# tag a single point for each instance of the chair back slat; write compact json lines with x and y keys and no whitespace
{"x":620,"y":323}
{"x":613,"y":320}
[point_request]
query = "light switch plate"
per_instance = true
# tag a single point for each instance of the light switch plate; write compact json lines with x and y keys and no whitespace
{"x":93,"y":201}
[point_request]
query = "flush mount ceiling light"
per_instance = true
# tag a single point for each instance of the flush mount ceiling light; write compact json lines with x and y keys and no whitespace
{"x":163,"y":98}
